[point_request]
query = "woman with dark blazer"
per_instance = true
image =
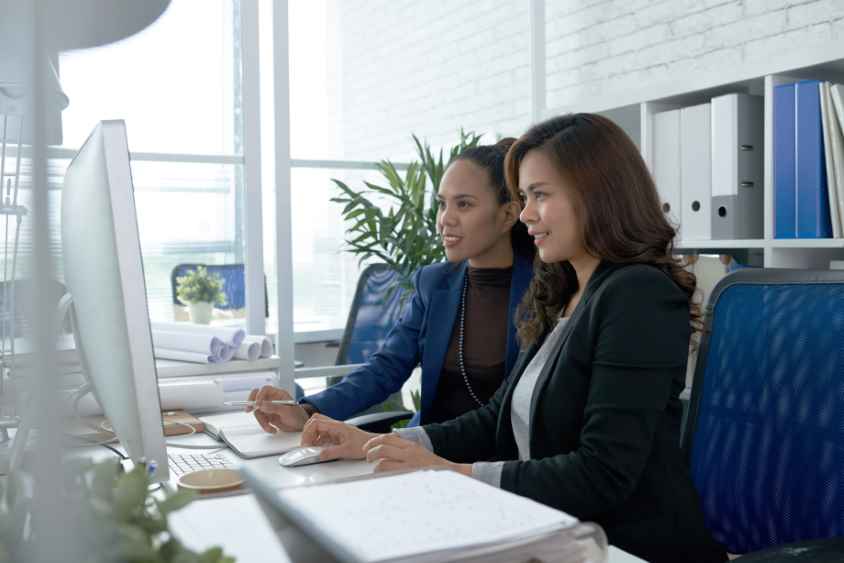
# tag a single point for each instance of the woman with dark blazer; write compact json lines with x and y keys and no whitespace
{"x":589,"y":422}
{"x":477,"y":290}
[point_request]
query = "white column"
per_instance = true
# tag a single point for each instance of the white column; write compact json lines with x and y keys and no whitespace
{"x":254,"y":267}
{"x":537,"y":60}
{"x":283,"y":215}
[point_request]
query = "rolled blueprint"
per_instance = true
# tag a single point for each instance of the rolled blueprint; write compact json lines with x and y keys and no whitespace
{"x":230,"y":335}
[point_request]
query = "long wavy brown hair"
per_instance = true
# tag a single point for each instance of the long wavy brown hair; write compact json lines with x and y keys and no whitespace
{"x":618,"y":205}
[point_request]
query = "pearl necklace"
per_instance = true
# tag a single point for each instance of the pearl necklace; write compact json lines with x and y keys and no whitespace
{"x":460,"y":338}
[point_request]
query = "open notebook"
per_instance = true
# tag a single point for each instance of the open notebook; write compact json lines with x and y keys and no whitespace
{"x":242,"y":433}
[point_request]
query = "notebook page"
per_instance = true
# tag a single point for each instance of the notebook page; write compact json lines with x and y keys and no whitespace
{"x":230,"y":420}
{"x":248,"y":442}
{"x":407,"y":515}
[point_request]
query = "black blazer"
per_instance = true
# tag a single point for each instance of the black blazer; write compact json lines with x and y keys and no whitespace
{"x":605,"y":420}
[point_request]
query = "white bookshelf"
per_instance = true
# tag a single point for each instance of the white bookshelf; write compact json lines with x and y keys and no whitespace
{"x":634,"y":111}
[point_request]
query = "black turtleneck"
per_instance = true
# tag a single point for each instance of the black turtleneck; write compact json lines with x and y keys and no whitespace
{"x":484,"y":346}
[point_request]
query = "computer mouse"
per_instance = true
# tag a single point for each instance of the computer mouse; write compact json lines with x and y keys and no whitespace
{"x":300,"y":456}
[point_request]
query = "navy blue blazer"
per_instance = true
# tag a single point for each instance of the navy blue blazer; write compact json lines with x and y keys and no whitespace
{"x":422,"y":334}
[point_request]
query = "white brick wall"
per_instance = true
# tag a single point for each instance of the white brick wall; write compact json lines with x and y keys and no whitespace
{"x":429,"y":67}
{"x":595,"y":48}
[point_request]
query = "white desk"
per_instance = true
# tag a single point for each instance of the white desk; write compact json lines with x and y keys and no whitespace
{"x":237,"y":524}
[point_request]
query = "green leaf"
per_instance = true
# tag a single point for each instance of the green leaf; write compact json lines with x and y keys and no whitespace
{"x":102,"y":482}
{"x":135,"y":544}
{"x":176,"y":501}
{"x":130,"y":493}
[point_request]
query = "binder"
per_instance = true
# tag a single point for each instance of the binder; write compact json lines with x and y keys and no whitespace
{"x":837,"y":121}
{"x":737,"y":167}
{"x":666,"y":163}
{"x":427,"y":515}
{"x":785,"y":194}
{"x":813,"y":220}
{"x":695,"y":172}
{"x":829,"y":121}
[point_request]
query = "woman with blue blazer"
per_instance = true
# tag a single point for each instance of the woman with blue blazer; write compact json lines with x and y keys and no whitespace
{"x":459,"y":323}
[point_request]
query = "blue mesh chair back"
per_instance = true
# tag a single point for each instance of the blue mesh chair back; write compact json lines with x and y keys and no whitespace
{"x":234,"y":284}
{"x":766,"y":424}
{"x":376,"y":307}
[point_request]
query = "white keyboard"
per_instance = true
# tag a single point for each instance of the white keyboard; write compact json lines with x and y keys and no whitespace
{"x":180,"y":464}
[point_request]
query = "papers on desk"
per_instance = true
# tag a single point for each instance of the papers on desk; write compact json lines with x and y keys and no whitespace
{"x":189,"y":342}
{"x":424,"y":516}
{"x":242,"y":433}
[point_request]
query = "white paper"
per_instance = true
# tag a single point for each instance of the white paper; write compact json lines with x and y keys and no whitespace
{"x":185,"y":356}
{"x":266,"y":346}
{"x":187,"y":341}
{"x":236,"y":420}
{"x":406,"y":515}
{"x":190,"y":396}
{"x":249,"y":351}
{"x":249,"y":442}
{"x":230,"y":335}
{"x":249,"y":382}
{"x":176,"y":395}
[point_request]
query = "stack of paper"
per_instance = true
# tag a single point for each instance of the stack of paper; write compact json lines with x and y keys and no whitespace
{"x":426,"y":516}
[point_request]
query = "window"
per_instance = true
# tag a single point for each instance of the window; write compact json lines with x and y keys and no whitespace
{"x":180,"y":96}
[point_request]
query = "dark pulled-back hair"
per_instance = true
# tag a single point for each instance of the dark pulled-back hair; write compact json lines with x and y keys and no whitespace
{"x":616,"y":201}
{"x":492,"y":158}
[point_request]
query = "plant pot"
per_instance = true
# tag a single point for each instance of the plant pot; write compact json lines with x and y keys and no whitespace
{"x":200,"y":313}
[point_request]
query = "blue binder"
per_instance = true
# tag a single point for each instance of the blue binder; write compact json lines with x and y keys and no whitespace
{"x":785,"y":194}
{"x":813,"y":218}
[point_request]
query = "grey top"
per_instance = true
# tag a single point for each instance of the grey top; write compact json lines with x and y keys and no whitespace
{"x":490,"y":471}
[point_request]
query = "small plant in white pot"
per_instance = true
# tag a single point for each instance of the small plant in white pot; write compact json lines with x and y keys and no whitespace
{"x":201,"y":291}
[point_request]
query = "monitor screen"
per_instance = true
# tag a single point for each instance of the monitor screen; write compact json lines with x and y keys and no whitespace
{"x":104,"y":275}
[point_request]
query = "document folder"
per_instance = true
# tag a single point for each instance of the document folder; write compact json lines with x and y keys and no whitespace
{"x":695,"y":172}
{"x":737,"y":167}
{"x":813,"y":219}
{"x":666,"y":163}
{"x":831,"y":141}
{"x":785,"y":162}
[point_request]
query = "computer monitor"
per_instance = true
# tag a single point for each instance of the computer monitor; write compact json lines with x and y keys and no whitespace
{"x":105,"y":277}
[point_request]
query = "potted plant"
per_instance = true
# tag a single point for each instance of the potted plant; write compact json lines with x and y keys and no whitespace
{"x":404,"y":235}
{"x":201,"y":291}
{"x":114,"y":515}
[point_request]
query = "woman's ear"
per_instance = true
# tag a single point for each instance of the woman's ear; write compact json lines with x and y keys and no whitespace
{"x":511,"y":211}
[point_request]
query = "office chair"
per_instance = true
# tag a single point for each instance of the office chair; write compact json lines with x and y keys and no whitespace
{"x":376,"y":307}
{"x":234,"y":285}
{"x":765,"y":436}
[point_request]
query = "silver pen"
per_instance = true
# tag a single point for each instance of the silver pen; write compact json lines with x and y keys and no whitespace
{"x":252,"y":403}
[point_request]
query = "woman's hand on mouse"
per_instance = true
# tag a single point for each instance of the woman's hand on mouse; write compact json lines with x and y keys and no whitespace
{"x":392,"y":453}
{"x":338,"y":439}
{"x":272,"y":418}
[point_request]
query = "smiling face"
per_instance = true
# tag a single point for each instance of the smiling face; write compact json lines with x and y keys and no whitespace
{"x":473,"y":224}
{"x":550,"y":209}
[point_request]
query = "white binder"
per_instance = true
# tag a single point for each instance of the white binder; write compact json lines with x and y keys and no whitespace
{"x":737,"y":167}
{"x":832,"y":180}
{"x":666,"y":164}
{"x":838,"y":146}
{"x":696,"y":172}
